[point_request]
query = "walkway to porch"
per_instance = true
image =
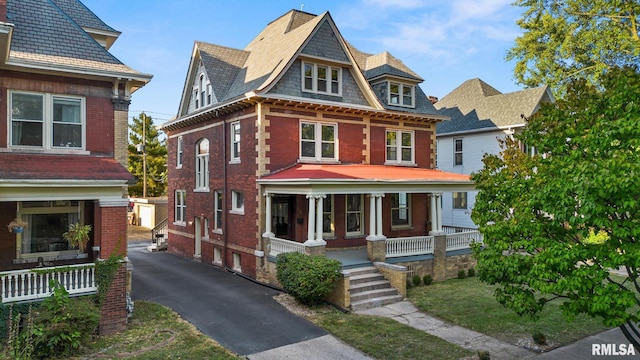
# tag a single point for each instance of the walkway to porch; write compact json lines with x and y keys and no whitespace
{"x":350,"y":259}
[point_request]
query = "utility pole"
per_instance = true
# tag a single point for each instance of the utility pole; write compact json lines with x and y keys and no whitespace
{"x":144,"y":155}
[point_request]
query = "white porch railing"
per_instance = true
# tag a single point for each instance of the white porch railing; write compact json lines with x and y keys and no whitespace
{"x":31,"y":284}
{"x":455,"y":229}
{"x":408,"y":246}
{"x":279,"y":246}
{"x":463,"y":240}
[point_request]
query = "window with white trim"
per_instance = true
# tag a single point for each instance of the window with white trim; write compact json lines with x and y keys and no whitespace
{"x":354,"y":214}
{"x":322,"y":79}
{"x":208,"y":94}
{"x":180,"y":212}
{"x":237,"y":263}
{"x":460,"y":200}
{"x":401,"y":94}
{"x":46,"y":221}
{"x":457,"y":151}
{"x":217,"y":255}
{"x":400,"y":209}
{"x":400,"y":147}
{"x":328,"y":226}
{"x":235,"y":142}
{"x":202,"y":90}
{"x":205,"y":228}
{"x":237,"y":202}
{"x":217,"y":211}
{"x":318,"y":141}
{"x":195,"y":96}
{"x":202,"y":165}
{"x":179,"y":150}
{"x":47,"y":121}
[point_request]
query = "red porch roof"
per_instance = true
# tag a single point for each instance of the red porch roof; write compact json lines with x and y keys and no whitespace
{"x":383,"y":173}
{"x":60,"y":167}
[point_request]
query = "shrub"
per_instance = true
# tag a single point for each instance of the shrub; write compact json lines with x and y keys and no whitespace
{"x":409,"y":284}
{"x":18,"y":309}
{"x":307,"y":278}
{"x":462,"y":274}
{"x":427,"y":280}
{"x":63,"y":324}
{"x":471,"y":272}
{"x":417,"y":280}
{"x":539,"y":338}
{"x":483,"y":355}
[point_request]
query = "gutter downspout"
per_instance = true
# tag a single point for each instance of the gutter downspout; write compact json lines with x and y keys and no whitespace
{"x":225,"y":232}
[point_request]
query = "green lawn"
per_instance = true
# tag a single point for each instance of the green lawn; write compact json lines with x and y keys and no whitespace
{"x":384,"y":338}
{"x":148,"y":337}
{"x":471,"y":304}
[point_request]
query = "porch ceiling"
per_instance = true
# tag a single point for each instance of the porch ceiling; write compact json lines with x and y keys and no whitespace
{"x":361,"y":178}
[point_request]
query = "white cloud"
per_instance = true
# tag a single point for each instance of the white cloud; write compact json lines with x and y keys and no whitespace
{"x":395,"y":4}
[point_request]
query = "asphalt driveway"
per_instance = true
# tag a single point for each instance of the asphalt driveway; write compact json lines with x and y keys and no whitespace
{"x":239,"y":314}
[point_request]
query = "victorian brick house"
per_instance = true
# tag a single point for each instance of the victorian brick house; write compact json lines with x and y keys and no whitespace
{"x":63,"y":145}
{"x":300,"y":142}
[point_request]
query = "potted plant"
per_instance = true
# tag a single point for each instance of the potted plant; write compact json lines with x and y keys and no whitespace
{"x":78,"y":235}
{"x":17,"y":226}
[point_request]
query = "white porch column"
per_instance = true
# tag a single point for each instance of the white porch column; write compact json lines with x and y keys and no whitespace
{"x":319,"y":214}
{"x":439,"y":208}
{"x":433,"y":213}
{"x":372,"y":217}
{"x":311,"y":218}
{"x":379,"y":234}
{"x":267,"y":220}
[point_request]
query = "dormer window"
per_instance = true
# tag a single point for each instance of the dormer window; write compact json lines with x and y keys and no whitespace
{"x":401,"y":94}
{"x":322,"y":79}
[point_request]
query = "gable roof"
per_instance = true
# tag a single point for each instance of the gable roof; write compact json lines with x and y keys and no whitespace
{"x":237,"y":75}
{"x":45,"y":38}
{"x":476,"y":106}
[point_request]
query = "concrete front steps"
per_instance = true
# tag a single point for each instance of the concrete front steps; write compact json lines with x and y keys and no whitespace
{"x":369,"y":289}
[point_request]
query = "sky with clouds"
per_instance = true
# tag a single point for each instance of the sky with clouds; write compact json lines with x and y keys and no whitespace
{"x":445,"y":41}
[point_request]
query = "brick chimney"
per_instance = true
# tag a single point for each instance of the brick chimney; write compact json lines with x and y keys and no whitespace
{"x":3,"y":10}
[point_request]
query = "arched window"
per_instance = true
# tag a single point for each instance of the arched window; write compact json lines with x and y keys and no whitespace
{"x":202,"y":164}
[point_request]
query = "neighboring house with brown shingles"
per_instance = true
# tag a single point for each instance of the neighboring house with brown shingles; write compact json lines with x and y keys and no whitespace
{"x":64,"y":103}
{"x":479,"y":115}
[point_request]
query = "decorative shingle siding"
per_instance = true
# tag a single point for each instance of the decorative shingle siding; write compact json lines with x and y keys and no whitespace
{"x":325,"y":44}
{"x":291,"y":85}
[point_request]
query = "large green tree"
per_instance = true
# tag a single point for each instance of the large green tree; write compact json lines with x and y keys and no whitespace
{"x":568,"y":39}
{"x":555,"y":225}
{"x":142,"y":131}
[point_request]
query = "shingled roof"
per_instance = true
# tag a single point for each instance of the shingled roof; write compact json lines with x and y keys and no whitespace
{"x":44,"y":36}
{"x":234,"y":73}
{"x":477,"y":106}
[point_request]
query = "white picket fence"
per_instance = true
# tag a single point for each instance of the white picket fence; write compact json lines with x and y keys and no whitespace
{"x":32,"y":284}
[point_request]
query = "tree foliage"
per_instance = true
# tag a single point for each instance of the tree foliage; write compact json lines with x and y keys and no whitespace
{"x":555,"y":225}
{"x":569,"y":39}
{"x":156,"y":151}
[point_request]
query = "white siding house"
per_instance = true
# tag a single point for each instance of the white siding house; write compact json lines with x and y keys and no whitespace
{"x":479,"y":116}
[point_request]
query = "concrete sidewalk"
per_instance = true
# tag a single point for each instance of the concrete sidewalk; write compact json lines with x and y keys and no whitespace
{"x":406,"y":313}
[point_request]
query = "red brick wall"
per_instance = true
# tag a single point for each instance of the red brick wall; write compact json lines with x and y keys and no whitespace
{"x":113,"y":313}
{"x":99,"y":108}
{"x":351,"y":139}
{"x":378,"y":145}
{"x":423,"y":148}
{"x":284,"y":149}
{"x":111,"y":230}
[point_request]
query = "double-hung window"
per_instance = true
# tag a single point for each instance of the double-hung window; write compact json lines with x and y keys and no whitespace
{"x":202,"y":165}
{"x":47,"y":121}
{"x":321,"y":79}
{"x":460,"y":200}
{"x":237,"y":202}
{"x":401,"y":94}
{"x":400,"y":147}
{"x":217,"y":211}
{"x":457,"y":151}
{"x":180,"y":212}
{"x":400,"y":209}
{"x":327,"y":216}
{"x":318,"y":141}
{"x":235,"y":142}
{"x":179,"y":145}
{"x":354,"y":214}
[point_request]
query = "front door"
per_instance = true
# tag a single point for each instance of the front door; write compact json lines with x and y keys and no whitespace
{"x":283,"y":216}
